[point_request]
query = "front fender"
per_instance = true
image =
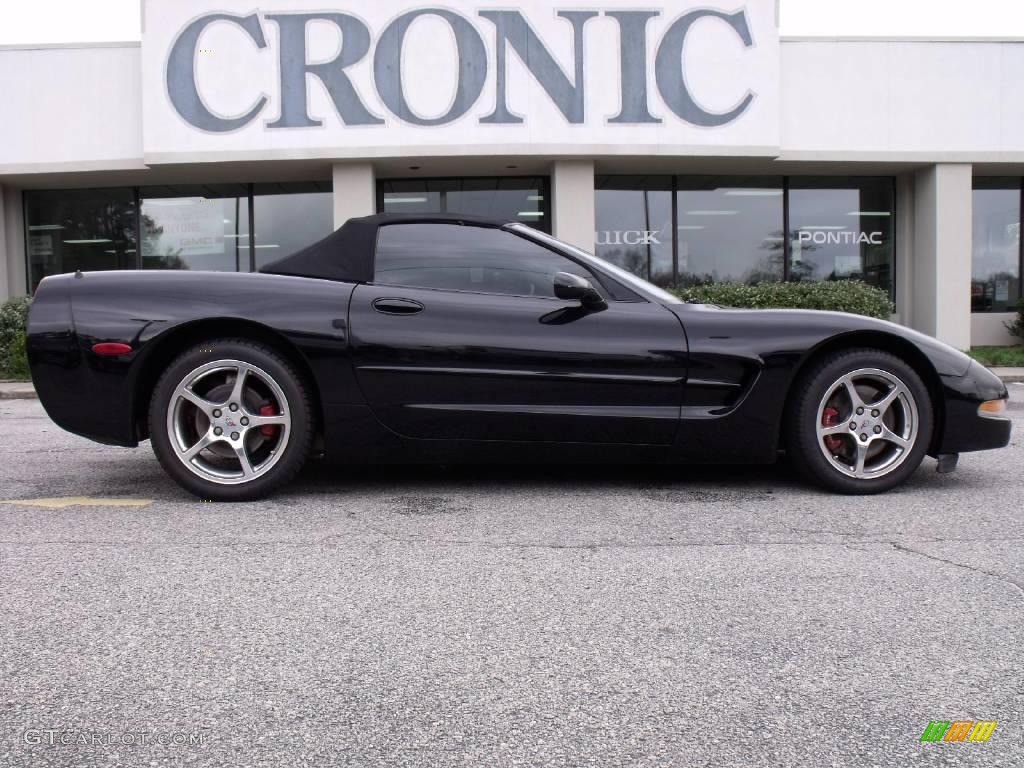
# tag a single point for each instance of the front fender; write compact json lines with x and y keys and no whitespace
{"x":743,"y":363}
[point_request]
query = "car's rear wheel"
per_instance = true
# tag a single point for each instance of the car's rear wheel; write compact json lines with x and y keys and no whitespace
{"x":230,"y":420}
{"x":861,"y":422}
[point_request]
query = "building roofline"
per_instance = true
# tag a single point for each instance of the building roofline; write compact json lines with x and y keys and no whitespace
{"x":896,"y":39}
{"x":48,"y":46}
{"x":782,"y":38}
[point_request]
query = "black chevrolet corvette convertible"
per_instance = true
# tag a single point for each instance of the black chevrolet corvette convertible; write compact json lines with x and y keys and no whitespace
{"x":447,"y":338}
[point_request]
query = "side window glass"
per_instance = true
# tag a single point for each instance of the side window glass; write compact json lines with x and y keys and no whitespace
{"x":466,"y":258}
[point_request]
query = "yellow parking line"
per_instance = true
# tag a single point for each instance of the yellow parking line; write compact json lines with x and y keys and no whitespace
{"x":61,"y":502}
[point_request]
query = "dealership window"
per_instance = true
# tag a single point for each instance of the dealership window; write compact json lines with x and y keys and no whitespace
{"x":516,"y":198}
{"x":290,"y":216}
{"x":87,"y":229}
{"x":996,"y":258}
{"x":750,"y":228}
{"x":635,"y":225}
{"x":181,"y":226}
{"x":842,"y":228}
{"x":201,"y":227}
{"x":730,"y":229}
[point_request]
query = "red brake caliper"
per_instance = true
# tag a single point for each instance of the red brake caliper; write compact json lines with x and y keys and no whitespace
{"x":268,"y":430}
{"x":829,"y":418}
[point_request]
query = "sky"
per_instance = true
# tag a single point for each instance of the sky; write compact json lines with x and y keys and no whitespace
{"x":66,"y":21}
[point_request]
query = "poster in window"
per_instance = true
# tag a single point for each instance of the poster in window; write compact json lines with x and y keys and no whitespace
{"x":184,"y":227}
{"x":40,"y":246}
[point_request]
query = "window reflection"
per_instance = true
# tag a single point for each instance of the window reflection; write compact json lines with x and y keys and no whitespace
{"x":290,"y":216}
{"x":86,"y":229}
{"x":995,"y":267}
{"x":730,"y":229}
{"x":634,"y":225}
{"x":182,"y":226}
{"x":195,"y":227}
{"x":842,"y":228}
{"x":523,"y":199}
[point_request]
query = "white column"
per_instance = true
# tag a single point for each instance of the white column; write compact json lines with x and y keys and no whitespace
{"x":940,"y":271}
{"x":5,"y":268}
{"x":12,"y":243}
{"x":572,"y":204}
{"x":904,"y":294}
{"x":355,"y":191}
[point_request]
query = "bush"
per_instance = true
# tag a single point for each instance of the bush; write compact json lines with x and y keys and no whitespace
{"x":835,"y":295}
{"x":1010,"y":357}
{"x":13,"y":361}
{"x":1016,"y":326}
{"x":16,"y":366}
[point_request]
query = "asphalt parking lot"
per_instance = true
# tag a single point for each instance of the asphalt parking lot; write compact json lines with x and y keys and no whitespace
{"x":504,"y":616}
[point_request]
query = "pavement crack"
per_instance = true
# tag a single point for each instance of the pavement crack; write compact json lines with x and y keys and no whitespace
{"x":994,"y":574}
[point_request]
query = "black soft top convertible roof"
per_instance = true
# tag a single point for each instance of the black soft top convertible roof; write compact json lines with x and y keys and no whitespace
{"x":347,"y":254}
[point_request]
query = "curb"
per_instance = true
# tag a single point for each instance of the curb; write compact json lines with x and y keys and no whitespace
{"x":17,"y":390}
{"x":18,"y":394}
{"x":1009,"y":375}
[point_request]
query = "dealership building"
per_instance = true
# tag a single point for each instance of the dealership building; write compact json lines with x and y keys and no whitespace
{"x":683,"y":140}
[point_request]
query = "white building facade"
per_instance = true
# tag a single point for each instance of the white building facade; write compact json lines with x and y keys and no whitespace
{"x":685,"y":141}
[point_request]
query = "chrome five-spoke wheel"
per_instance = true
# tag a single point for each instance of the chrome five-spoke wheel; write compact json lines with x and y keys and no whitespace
{"x":861,"y":421}
{"x":228,"y":422}
{"x":867,"y":423}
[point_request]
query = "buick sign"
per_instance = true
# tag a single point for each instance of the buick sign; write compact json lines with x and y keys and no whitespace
{"x":627,"y":237}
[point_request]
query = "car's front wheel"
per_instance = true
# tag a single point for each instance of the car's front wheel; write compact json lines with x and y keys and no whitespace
{"x":230,"y":420}
{"x":861,"y":422}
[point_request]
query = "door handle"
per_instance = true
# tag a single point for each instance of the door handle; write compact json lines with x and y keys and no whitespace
{"x":393,"y":306}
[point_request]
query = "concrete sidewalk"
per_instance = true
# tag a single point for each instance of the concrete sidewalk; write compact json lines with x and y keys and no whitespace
{"x":23,"y":390}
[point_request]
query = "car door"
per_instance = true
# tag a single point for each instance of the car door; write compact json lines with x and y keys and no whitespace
{"x":461,"y":337}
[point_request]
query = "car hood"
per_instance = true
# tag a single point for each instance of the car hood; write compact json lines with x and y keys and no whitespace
{"x":807,"y":328}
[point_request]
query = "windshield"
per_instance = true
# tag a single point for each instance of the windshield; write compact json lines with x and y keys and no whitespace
{"x":639,"y":285}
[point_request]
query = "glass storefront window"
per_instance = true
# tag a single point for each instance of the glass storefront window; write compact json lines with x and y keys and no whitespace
{"x":181,"y":226}
{"x":86,"y":229}
{"x":730,"y":229}
{"x":634,"y":224}
{"x":195,"y":227}
{"x":290,"y":216}
{"x":996,"y":258}
{"x":671,"y":230}
{"x":516,"y":198}
{"x":842,"y":228}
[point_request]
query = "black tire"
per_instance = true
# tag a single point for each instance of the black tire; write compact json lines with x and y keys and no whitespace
{"x":831,"y":460}
{"x":268,"y":378}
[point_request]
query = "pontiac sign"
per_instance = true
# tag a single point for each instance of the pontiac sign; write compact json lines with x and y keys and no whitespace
{"x":397,"y":78}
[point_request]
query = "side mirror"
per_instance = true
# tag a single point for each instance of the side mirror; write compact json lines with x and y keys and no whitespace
{"x":576,"y":288}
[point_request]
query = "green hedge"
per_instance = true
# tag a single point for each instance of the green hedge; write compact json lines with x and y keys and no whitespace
{"x":13,"y":361}
{"x":1016,"y":326}
{"x":836,"y":295}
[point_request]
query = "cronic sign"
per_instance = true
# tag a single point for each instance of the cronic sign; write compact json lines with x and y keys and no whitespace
{"x":536,"y":74}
